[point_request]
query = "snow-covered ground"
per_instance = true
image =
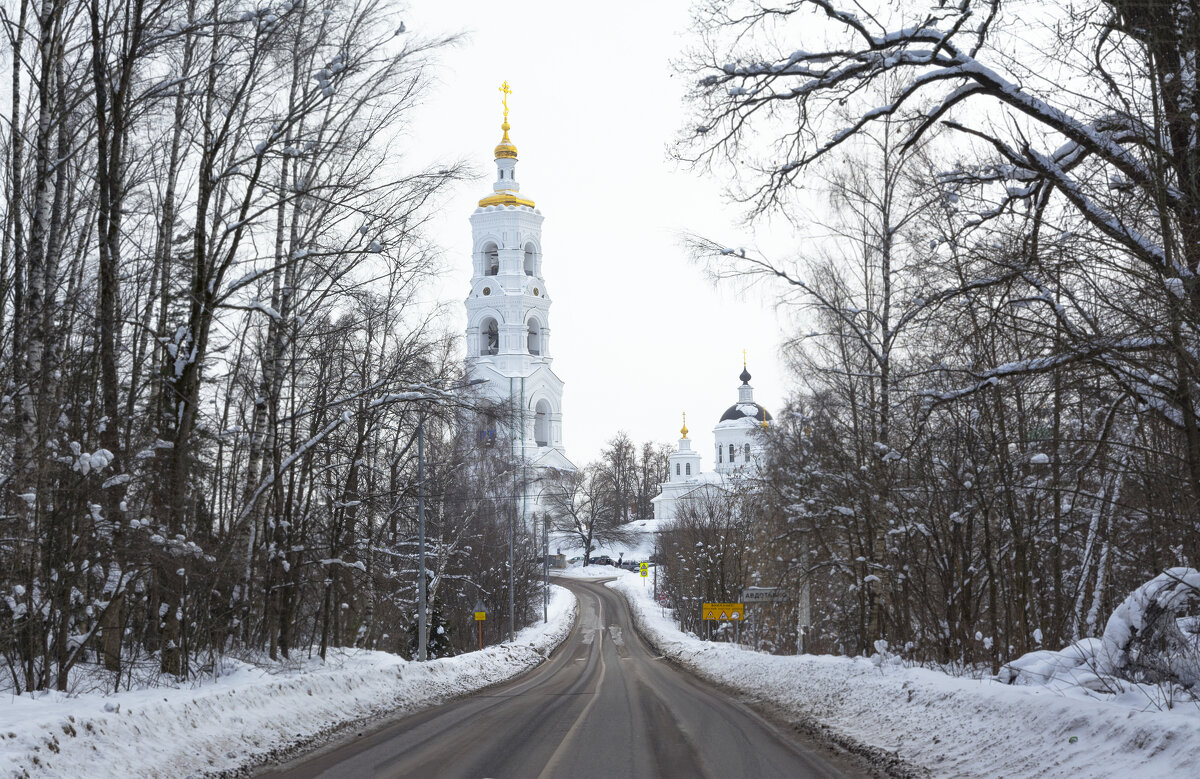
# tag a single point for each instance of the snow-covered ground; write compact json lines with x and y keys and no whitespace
{"x":951,"y":726}
{"x":250,"y":713}
{"x":594,"y":571}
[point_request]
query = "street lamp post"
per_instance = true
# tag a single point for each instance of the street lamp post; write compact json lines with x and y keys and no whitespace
{"x":422,"y":606}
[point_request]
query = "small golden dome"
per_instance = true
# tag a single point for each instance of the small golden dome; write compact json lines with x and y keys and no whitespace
{"x":506,"y":148}
{"x":684,"y":428}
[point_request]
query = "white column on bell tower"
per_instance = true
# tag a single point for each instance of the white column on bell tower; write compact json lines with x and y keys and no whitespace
{"x":508,"y":314}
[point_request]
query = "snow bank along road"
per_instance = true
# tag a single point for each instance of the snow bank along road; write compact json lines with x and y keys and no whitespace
{"x":249,"y":713}
{"x":604,"y":705}
{"x":917,"y":720}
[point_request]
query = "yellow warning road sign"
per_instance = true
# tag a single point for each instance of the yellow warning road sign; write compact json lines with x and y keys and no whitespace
{"x":645,"y":569}
{"x":480,"y":616}
{"x":724,"y":611}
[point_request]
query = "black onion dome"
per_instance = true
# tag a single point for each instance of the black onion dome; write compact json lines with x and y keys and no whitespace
{"x":745,"y":376}
{"x":742,"y":410}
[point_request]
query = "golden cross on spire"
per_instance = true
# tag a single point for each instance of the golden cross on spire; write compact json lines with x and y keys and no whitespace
{"x":743,"y":358}
{"x":684,"y":429}
{"x":507,"y":91}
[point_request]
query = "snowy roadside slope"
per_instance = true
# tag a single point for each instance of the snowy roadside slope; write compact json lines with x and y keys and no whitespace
{"x":948,"y":725}
{"x":240,"y":719}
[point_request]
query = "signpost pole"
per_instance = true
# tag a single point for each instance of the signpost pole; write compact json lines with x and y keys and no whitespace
{"x":480,"y":616}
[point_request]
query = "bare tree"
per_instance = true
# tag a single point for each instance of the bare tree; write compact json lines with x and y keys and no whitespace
{"x":1106,"y":162}
{"x":214,"y":341}
{"x":579,"y":506}
{"x":706,"y":554}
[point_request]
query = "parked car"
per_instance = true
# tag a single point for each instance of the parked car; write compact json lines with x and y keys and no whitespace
{"x":602,"y":559}
{"x":631,"y":565}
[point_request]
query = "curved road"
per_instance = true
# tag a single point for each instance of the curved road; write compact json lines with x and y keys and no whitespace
{"x":603,"y":705}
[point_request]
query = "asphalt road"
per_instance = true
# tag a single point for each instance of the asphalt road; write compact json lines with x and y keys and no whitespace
{"x":602,"y":705}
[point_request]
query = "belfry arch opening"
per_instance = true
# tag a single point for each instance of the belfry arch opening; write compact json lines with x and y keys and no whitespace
{"x":491,"y":260}
{"x":534,"y":337}
{"x":489,"y":338}
{"x":541,"y":423}
{"x":530,"y":260}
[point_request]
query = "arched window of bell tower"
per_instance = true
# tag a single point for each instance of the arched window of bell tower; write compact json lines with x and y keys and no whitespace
{"x":732,"y":453}
{"x":534,"y":339}
{"x":747,"y":451}
{"x":491,"y":260}
{"x":489,"y":338}
{"x":530,"y":260}
{"x":541,"y":423}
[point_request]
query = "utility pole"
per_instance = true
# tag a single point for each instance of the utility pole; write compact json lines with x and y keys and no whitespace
{"x":422,"y":625}
{"x":657,"y":561}
{"x":512,"y":595}
{"x":545,"y":568}
{"x":512,"y":519}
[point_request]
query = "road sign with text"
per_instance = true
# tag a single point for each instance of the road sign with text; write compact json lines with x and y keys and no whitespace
{"x":724,"y":611}
{"x":764,"y":595}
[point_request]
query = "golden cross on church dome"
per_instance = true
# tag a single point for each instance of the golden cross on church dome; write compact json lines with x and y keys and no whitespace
{"x":507,"y":149}
{"x":507,"y":91}
{"x":684,"y":428}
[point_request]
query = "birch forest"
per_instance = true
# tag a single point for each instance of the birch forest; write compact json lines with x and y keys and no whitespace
{"x":994,"y":304}
{"x":215,"y":346}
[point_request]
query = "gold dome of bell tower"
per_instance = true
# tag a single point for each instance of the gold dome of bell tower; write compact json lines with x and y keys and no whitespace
{"x":506,"y":150}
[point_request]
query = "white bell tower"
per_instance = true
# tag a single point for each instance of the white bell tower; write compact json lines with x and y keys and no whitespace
{"x":508,"y":316}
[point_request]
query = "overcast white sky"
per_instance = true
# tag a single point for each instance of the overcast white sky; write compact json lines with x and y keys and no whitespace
{"x":638,"y":334}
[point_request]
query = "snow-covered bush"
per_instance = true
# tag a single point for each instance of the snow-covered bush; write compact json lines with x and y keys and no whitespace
{"x":1148,"y":640}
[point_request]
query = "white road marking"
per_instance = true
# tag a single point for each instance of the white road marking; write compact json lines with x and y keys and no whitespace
{"x":552,"y":763}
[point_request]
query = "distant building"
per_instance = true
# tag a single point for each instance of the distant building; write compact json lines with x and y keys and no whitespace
{"x":738,"y":451}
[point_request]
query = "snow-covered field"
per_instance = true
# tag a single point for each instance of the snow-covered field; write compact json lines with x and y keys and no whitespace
{"x":245,"y":716}
{"x":594,"y":571}
{"x":951,"y":726}
{"x":640,"y":548}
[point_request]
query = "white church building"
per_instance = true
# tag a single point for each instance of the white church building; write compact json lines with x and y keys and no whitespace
{"x":508,"y":346}
{"x":508,"y":317}
{"x":738,"y":451}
